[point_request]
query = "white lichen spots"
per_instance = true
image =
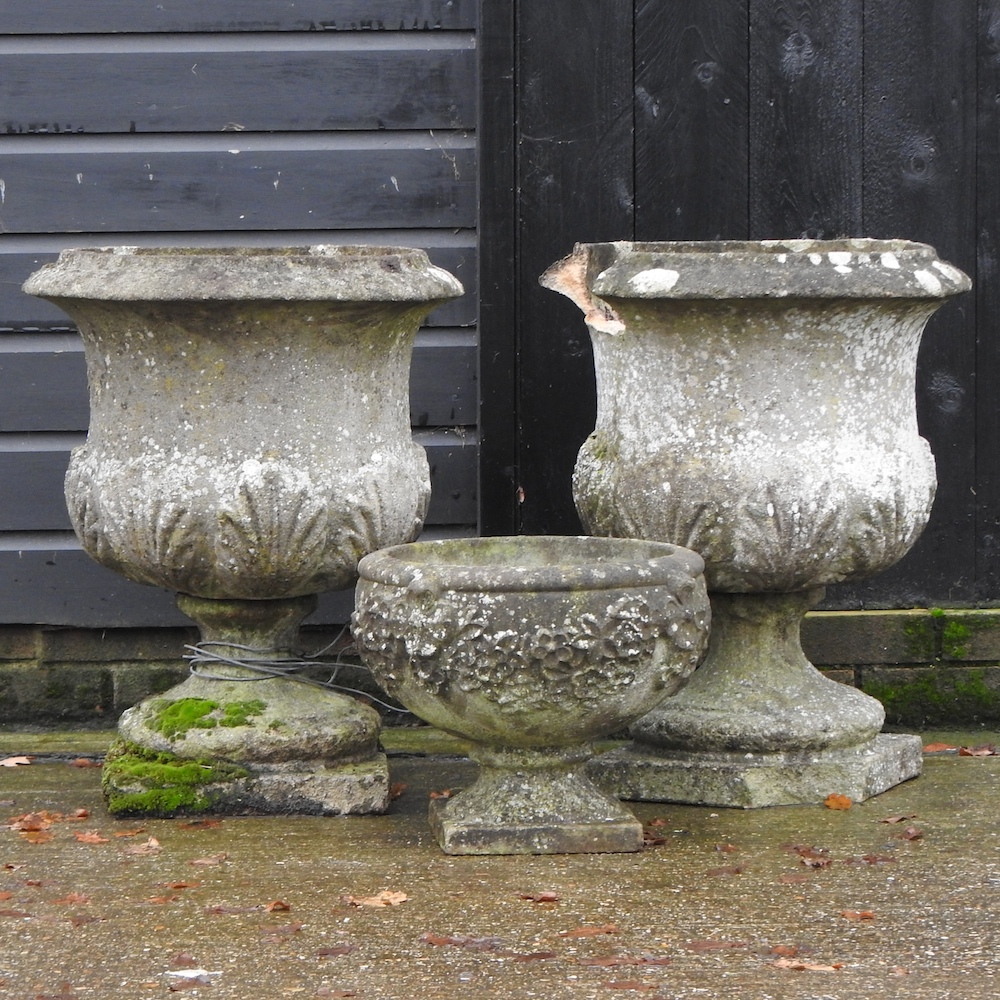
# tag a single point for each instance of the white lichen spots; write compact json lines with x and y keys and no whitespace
{"x":79,"y":178}
{"x":655,"y":280}
{"x":277,"y":180}
{"x":839,"y":257}
{"x":951,"y":273}
{"x":929,"y":282}
{"x":843,"y":269}
{"x":395,"y":183}
{"x":890,"y":260}
{"x":235,"y":152}
{"x":782,"y":258}
{"x":816,"y":258}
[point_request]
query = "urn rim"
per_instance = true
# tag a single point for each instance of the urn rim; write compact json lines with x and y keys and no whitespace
{"x":849,"y":268}
{"x":319,"y":272}
{"x":529,"y":563}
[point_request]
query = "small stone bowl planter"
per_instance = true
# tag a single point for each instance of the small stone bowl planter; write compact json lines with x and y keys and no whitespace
{"x":531,"y":648}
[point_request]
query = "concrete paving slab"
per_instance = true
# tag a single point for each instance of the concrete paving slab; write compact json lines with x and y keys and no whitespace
{"x":800,"y":902}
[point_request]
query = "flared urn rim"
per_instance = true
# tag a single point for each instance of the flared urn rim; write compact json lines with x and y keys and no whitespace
{"x":530,"y":564}
{"x":855,"y":268}
{"x":320,"y":272}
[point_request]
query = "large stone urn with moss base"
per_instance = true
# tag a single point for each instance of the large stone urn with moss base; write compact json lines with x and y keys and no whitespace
{"x":532,"y":648}
{"x":756,"y":404}
{"x":249,"y":442}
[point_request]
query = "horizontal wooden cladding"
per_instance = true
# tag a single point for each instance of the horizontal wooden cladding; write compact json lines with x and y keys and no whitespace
{"x":31,"y":479}
{"x":42,"y":17}
{"x":45,"y":389}
{"x":22,"y":255}
{"x":56,"y":583}
{"x":195,"y":89}
{"x":330,"y":181}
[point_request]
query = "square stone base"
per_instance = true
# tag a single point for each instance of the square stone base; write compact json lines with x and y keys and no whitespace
{"x":491,"y":835}
{"x":315,"y":788}
{"x":643,"y":773}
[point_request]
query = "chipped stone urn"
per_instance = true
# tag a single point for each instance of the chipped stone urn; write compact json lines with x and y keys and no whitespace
{"x":756,"y":404}
{"x":531,"y":648}
{"x":249,"y":442}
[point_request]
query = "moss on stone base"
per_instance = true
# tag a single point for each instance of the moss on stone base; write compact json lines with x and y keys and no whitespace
{"x":175,"y":718}
{"x":141,"y":782}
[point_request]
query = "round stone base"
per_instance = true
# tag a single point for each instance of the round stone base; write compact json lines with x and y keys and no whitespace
{"x":530,"y":802}
{"x":639,"y":772}
{"x":139,"y":782}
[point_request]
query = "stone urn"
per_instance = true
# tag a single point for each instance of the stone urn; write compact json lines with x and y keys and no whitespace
{"x":531,"y":648}
{"x":756,"y":404}
{"x":249,"y":442}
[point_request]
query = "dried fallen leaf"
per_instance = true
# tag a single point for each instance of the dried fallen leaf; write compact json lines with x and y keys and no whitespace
{"x":32,"y":822}
{"x":986,"y":750}
{"x":200,"y":824}
{"x":857,"y":914}
{"x":182,"y":885}
{"x":589,"y":931}
{"x":277,"y":907}
{"x":539,"y":897}
{"x":805,"y":851}
{"x":130,"y":833}
{"x":461,"y":941}
{"x":796,"y":966}
{"x":726,"y":848}
{"x":835,"y":801}
{"x":163,"y":900}
{"x":387,"y":897}
{"x":445,"y":793}
{"x":337,"y":949}
{"x":72,"y":899}
{"x":84,"y":762}
{"x":650,"y":838}
{"x":90,"y":837}
{"x":4,"y":896}
{"x":940,"y":748}
{"x":13,"y":913}
{"x":878,"y":859}
{"x":710,"y":945}
{"x":898,"y":819}
{"x":788,"y":950}
{"x":396,"y":789}
{"x":727,"y":870}
{"x":212,"y":859}
{"x":182,"y":960}
{"x":911,"y":833}
{"x":15,"y":761}
{"x":79,"y":919}
{"x":152,"y":846}
{"x":37,"y":837}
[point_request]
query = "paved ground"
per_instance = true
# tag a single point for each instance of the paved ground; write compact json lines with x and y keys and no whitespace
{"x":802,"y":902}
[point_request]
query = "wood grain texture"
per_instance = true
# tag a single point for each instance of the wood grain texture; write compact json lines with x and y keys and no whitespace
{"x":919,"y":183}
{"x":806,"y":114}
{"x":574,"y":182}
{"x":125,"y":188}
{"x":691,"y":124}
{"x":236,"y":91}
{"x":19,"y":311}
{"x":90,"y":16}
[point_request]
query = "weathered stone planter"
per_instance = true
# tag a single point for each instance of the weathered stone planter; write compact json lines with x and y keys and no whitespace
{"x":756,"y":404}
{"x":531,"y":647}
{"x":249,"y":442}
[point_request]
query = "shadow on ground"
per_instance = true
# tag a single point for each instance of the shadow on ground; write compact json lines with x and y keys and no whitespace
{"x":798,"y":902}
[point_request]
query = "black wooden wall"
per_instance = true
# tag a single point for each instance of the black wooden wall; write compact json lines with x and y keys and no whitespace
{"x":215,"y":123}
{"x":712,"y":119}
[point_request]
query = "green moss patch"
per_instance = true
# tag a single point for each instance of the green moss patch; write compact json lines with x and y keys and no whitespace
{"x":141,"y":782}
{"x":175,"y":719}
{"x":937,"y":697}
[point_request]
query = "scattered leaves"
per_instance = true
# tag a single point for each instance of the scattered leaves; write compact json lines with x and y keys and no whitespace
{"x":337,"y":949}
{"x":460,"y":941}
{"x":277,"y":907}
{"x":857,"y":914}
{"x":130,"y":833}
{"x":39,"y":837}
{"x":13,"y":913}
{"x":590,"y":930}
{"x":396,"y":789}
{"x":726,"y":848}
{"x":986,"y":750}
{"x":90,"y":837}
{"x":799,"y":966}
{"x":84,"y":762}
{"x":445,"y":793}
{"x":72,"y":899}
{"x":212,"y":859}
{"x":182,"y":885}
{"x":151,"y":846}
{"x":898,"y":819}
{"x":878,"y":859}
{"x":911,"y":833}
{"x":200,"y":824}
{"x":15,"y":761}
{"x":650,"y":838}
{"x":4,"y":896}
{"x":835,"y":801}
{"x":387,"y":897}
{"x":32,"y":822}
{"x":940,"y":748}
